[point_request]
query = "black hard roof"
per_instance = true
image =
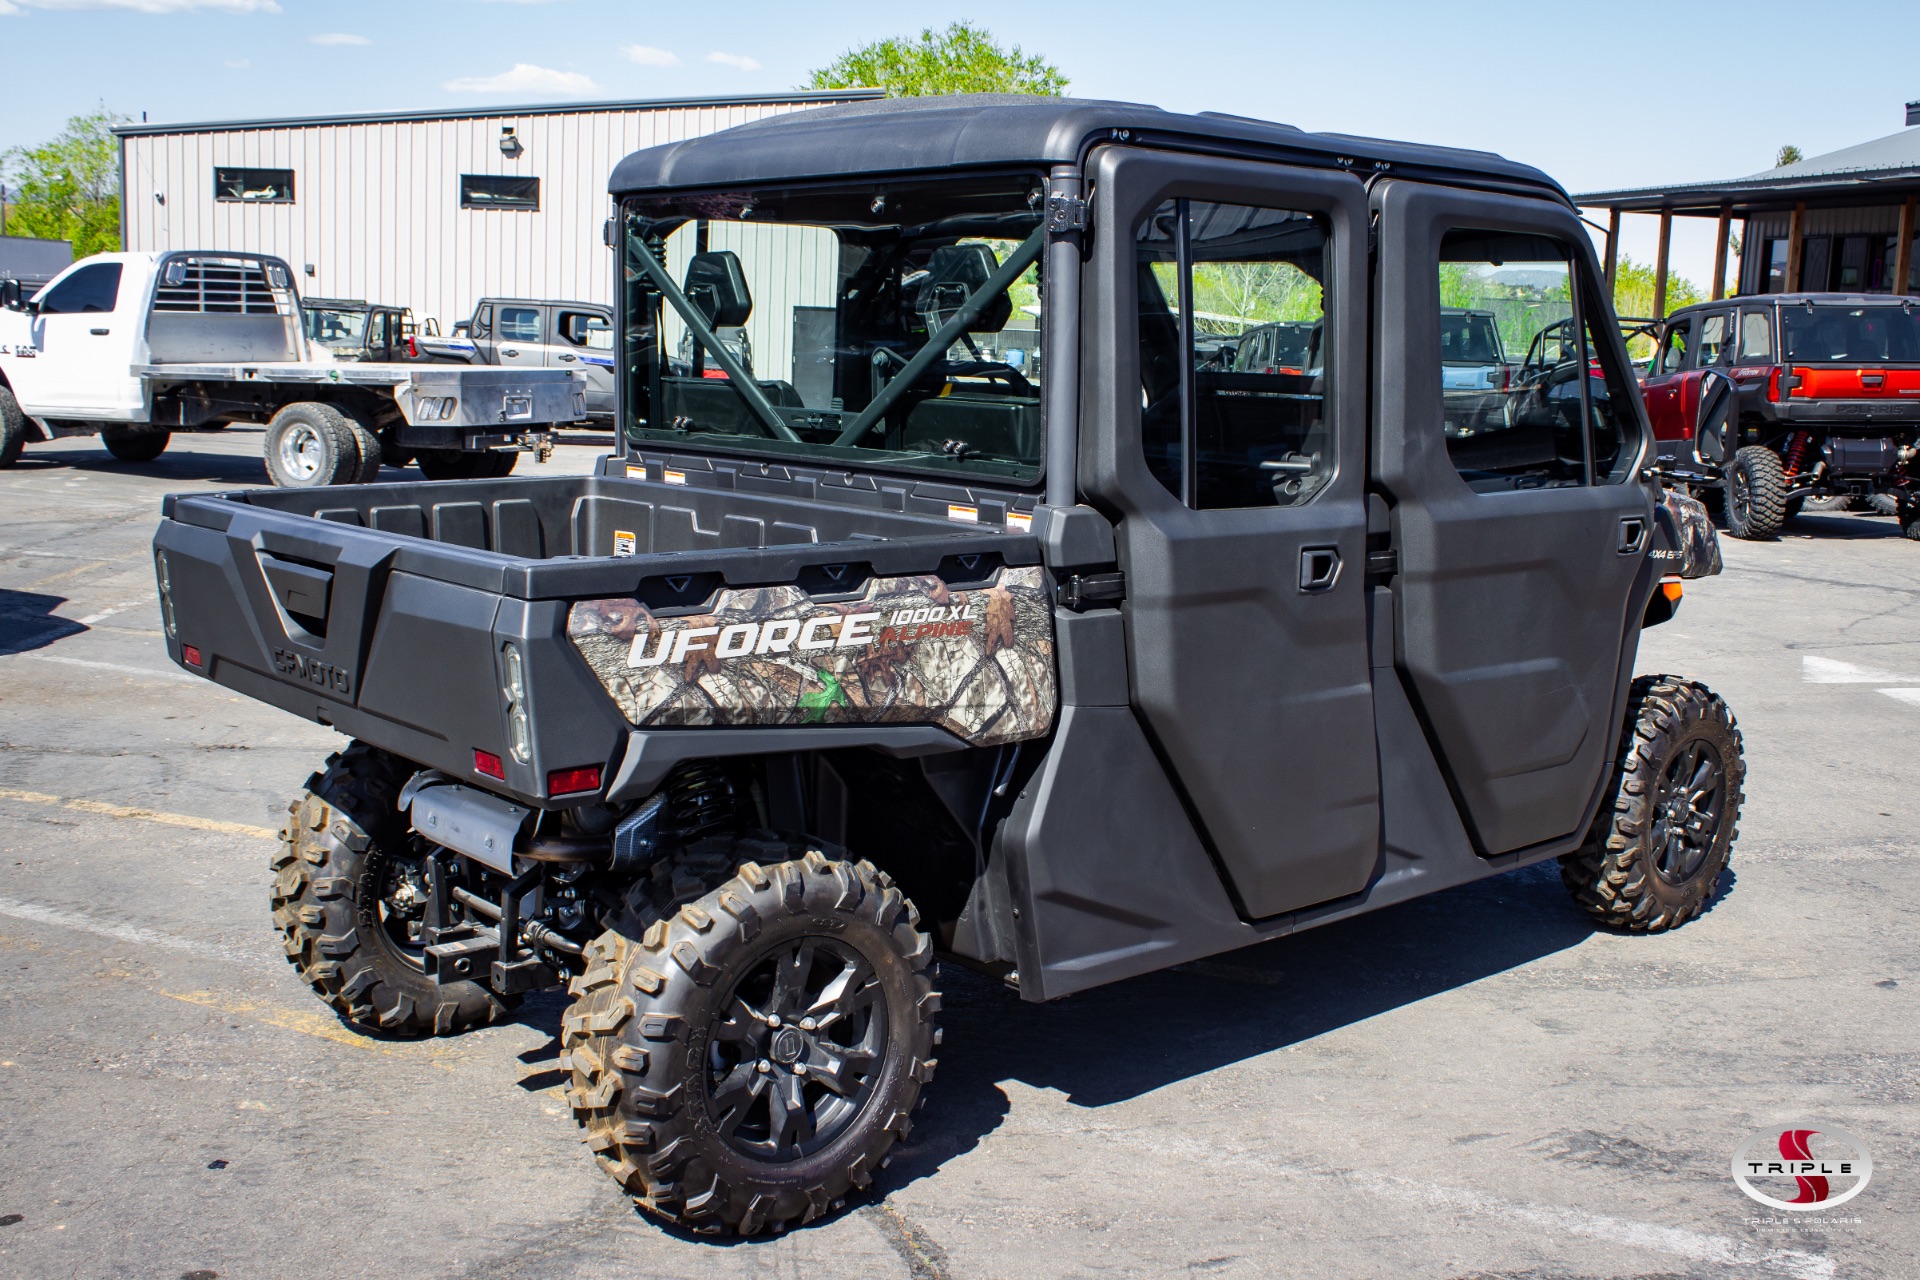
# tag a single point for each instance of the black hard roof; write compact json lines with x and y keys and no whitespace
{"x":896,"y":135}
{"x":1801,"y":300}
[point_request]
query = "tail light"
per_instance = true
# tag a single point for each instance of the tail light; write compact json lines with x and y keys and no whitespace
{"x":1773,"y":385}
{"x":485,"y":762}
{"x":562,"y":782}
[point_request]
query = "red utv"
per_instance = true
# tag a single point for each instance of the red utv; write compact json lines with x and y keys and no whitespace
{"x":1777,"y":399}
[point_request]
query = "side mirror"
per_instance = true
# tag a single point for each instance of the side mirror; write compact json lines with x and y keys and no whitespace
{"x":10,"y":295}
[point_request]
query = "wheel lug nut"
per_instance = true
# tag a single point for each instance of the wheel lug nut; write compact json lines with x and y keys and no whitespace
{"x":762,"y":1066}
{"x":773,"y":1019}
{"x":799,"y":1068}
{"x":807,"y":1024}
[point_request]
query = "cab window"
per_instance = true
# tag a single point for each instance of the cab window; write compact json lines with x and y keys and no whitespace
{"x":1716,"y":333}
{"x":1674,"y":348}
{"x":1756,"y":335}
{"x":94,"y":288}
{"x":1233,"y":432}
{"x":519,"y":324}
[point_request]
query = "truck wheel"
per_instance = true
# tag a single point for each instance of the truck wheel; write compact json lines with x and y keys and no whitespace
{"x":349,"y":893}
{"x":1827,"y":502}
{"x":13,"y":428}
{"x":750,"y":1043}
{"x":1665,"y":832}
{"x":135,"y":446}
{"x":366,"y":444}
{"x":310,"y":445}
{"x":1756,"y":494}
{"x":501,"y":463}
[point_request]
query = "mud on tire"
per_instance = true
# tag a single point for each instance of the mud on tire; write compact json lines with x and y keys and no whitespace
{"x":1664,"y":834}
{"x":750,"y":1042}
{"x":340,"y":853}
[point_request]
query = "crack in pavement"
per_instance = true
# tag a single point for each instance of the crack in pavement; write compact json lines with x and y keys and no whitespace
{"x":925,"y":1259}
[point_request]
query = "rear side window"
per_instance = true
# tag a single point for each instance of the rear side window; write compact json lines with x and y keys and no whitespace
{"x":1716,"y":334}
{"x":94,"y":288}
{"x":1674,"y":347}
{"x":1218,"y":430}
{"x":586,"y":329}
{"x":519,"y":324}
{"x":1530,"y":399}
{"x":1756,"y":335}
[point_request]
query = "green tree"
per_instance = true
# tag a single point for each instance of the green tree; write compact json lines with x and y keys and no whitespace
{"x":68,"y":188}
{"x":1633,"y":297}
{"x":1788,"y":154}
{"x":962,"y":59}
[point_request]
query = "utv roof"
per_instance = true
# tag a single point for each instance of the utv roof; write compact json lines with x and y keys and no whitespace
{"x":981,"y":131}
{"x":1806,"y":300}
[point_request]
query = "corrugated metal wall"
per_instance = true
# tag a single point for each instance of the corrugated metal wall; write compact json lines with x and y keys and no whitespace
{"x":1869,"y":220}
{"x":376,"y":208}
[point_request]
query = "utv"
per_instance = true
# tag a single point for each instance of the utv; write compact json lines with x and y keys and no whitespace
{"x":1773,"y":401}
{"x":981,"y":618}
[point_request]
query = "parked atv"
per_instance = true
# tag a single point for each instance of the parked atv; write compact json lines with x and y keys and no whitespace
{"x":1069,"y":668}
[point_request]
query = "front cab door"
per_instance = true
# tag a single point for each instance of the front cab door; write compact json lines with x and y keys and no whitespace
{"x":1521,"y":547}
{"x":1240,"y":503}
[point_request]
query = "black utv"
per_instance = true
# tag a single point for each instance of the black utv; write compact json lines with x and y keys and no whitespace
{"x":986,"y":617}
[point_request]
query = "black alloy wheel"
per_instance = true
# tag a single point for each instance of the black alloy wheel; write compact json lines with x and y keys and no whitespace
{"x":1688,"y":806}
{"x":798,"y":1052}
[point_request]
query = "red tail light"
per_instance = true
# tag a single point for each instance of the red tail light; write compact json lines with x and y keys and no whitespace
{"x":1773,"y":385}
{"x":485,"y":762}
{"x":562,"y":782}
{"x":191,"y":654}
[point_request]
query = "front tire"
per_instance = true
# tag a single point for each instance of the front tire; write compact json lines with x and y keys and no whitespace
{"x":13,"y":428}
{"x":1756,"y":494}
{"x":135,"y":446}
{"x":751,"y":1041}
{"x":1666,"y":830}
{"x":349,"y":892}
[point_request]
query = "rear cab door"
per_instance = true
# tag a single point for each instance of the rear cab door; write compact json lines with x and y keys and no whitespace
{"x":1522,"y":549}
{"x":1241,"y":507}
{"x":582,"y":340}
{"x":519,"y":334}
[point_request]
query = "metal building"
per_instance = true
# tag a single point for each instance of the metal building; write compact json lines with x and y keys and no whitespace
{"x":431,"y":210}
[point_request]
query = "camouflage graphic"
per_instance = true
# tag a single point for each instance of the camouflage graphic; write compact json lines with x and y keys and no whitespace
{"x":1686,"y":544}
{"x":978,"y":663}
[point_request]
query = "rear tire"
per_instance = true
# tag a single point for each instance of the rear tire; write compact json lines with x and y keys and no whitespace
{"x":1666,"y":830}
{"x":1756,"y":494}
{"x":1909,"y":517}
{"x":1828,"y":504}
{"x":704,"y":1083}
{"x":135,"y":446}
{"x":311,"y":445}
{"x":345,"y":877}
{"x":13,"y":428}
{"x":366,"y":444}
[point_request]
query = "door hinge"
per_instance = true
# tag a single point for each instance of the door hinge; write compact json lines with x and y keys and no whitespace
{"x":1066,"y":214}
{"x":1083,"y":590}
{"x":1382,"y":565}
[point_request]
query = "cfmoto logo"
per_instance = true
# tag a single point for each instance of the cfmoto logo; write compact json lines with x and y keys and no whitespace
{"x":1821,"y":1166}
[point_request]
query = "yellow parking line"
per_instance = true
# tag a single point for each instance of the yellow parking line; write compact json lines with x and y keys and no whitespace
{"x":104,"y":810}
{"x":64,"y":574}
{"x":307,"y":1022}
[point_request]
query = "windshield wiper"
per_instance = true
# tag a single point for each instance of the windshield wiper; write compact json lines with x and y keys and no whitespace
{"x":999,"y":282}
{"x":703,"y":334}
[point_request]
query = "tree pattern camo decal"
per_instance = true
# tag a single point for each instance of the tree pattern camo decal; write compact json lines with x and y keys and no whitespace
{"x":1687,"y":545}
{"x":977,"y":662}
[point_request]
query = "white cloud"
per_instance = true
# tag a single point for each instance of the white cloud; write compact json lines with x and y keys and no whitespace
{"x":145,"y":6}
{"x":525,"y":78}
{"x":738,"y":61}
{"x":337,"y":38}
{"x":238,"y":64}
{"x":647,"y":56}
{"x":8,"y":9}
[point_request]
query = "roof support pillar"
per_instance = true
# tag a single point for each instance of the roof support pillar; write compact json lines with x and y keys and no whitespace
{"x":1903,"y":250}
{"x":1796,"y":231}
{"x":1660,"y":265}
{"x":1613,"y":247}
{"x":1720,"y":253}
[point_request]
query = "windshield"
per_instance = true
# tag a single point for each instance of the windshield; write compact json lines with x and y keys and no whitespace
{"x":894,"y":324}
{"x":338,"y":329}
{"x":1819,"y":333}
{"x":1469,"y":337}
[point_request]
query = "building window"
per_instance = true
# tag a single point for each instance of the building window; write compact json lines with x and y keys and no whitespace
{"x":254,"y":186}
{"x":1773,"y":260}
{"x":490,"y":191}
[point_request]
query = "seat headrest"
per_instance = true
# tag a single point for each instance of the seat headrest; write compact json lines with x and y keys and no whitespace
{"x":717,"y":288}
{"x":954,"y":272}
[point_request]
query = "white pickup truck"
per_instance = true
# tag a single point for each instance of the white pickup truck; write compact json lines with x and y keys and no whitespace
{"x":136,"y":346}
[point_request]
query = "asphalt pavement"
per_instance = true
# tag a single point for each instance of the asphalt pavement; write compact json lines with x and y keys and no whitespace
{"x":1477,"y":1084}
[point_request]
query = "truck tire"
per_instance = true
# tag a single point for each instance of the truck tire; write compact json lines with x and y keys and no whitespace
{"x":1756,"y":494}
{"x":346,"y":882}
{"x":697,"y":1064}
{"x":1667,"y":827}
{"x":310,"y":445}
{"x":1908,"y":513}
{"x":366,"y":443}
{"x":135,"y":446}
{"x":13,"y":428}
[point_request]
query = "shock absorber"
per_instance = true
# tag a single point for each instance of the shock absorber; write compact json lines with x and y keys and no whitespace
{"x":1797,"y":445}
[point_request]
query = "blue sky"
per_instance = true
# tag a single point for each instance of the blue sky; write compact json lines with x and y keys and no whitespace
{"x":1630,"y":94}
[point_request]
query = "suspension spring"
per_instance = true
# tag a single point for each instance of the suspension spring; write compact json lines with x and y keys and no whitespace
{"x":1797,"y":445}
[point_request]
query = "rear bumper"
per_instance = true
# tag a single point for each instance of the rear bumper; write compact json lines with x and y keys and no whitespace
{"x":1845,"y":413}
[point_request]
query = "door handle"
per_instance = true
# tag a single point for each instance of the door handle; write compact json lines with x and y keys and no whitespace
{"x":1319,"y":568}
{"x":1633,"y":535}
{"x":508,"y":351}
{"x":99,"y":333}
{"x":567,"y":358}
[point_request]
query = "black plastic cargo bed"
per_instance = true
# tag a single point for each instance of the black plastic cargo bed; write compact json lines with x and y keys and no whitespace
{"x":383,"y":610}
